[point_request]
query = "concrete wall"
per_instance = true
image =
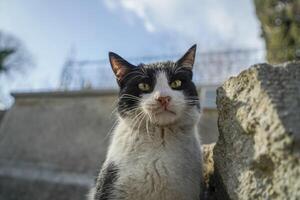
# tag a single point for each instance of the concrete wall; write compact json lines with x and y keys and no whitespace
{"x":61,"y":138}
{"x":63,"y":130}
{"x":2,"y":112}
{"x":208,"y":128}
{"x":54,"y":142}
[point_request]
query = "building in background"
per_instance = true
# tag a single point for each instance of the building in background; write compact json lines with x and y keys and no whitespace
{"x":210,"y":70}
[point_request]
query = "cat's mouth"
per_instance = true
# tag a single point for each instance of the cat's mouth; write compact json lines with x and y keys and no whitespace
{"x":161,"y":110}
{"x":170,"y":111}
{"x":164,"y":110}
{"x":163,"y":115}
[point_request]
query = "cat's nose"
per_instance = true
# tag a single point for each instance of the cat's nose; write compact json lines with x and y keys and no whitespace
{"x":164,"y":100}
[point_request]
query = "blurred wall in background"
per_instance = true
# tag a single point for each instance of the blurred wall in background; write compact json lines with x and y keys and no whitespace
{"x":53,"y":143}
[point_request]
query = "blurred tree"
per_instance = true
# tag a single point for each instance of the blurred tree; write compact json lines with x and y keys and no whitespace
{"x":280,"y":23}
{"x":13,"y":55}
{"x":14,"y":59}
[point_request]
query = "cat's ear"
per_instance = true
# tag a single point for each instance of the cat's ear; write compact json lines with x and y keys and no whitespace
{"x":188,"y":59}
{"x":119,"y":65}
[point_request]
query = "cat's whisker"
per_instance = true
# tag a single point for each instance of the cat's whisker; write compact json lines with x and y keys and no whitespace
{"x":150,"y":119}
{"x":111,"y":129}
{"x":189,"y":114}
{"x":129,"y":95}
{"x":130,"y":112}
{"x":132,"y":133}
{"x":150,"y":116}
{"x":115,"y":101}
{"x":154,"y":117}
{"x":147,"y":126}
{"x":192,"y":100}
{"x":115,"y":107}
{"x":141,"y":120}
{"x":123,"y":110}
{"x":153,"y":109}
{"x":135,"y":119}
{"x":138,"y":118}
{"x":114,"y":111}
{"x":193,"y":97}
{"x":131,"y":99}
{"x":130,"y":109}
{"x":126,"y":95}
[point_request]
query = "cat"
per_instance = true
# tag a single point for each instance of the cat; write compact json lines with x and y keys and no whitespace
{"x":154,"y":152}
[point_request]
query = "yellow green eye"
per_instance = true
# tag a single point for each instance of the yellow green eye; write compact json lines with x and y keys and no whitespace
{"x":144,"y":87}
{"x":176,"y":84}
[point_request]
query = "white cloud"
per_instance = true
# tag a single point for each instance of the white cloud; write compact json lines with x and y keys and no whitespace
{"x":203,"y":21}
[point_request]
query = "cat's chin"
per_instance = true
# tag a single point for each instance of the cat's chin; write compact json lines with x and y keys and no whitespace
{"x":165,"y":118}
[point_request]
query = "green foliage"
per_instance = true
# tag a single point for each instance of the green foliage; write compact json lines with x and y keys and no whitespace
{"x":280,"y":23}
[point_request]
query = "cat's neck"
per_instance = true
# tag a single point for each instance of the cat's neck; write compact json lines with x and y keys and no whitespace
{"x":128,"y":140}
{"x":145,"y":127}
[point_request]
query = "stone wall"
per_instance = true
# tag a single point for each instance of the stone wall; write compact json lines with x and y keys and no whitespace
{"x":257,"y":155}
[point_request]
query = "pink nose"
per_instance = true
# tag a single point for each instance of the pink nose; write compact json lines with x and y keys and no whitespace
{"x":164,"y":101}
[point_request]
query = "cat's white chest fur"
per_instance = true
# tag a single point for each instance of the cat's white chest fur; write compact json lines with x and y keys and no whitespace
{"x":164,"y":163}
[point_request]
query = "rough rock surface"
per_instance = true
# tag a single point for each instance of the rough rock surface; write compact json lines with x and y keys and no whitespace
{"x":208,"y":162}
{"x":258,"y":152}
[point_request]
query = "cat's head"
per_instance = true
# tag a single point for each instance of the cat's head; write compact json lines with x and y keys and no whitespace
{"x":162,"y":93}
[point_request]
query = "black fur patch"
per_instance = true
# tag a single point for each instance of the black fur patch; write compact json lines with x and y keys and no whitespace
{"x":105,"y":184}
{"x":129,"y":86}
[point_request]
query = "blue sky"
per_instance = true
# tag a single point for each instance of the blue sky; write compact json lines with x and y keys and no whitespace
{"x":51,"y":28}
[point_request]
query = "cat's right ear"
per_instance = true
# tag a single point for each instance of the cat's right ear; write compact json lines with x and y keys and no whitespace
{"x":188,"y":59}
{"x":119,"y":65}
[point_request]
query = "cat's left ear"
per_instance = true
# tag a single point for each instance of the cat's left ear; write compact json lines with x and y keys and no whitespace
{"x":119,"y":65}
{"x":188,"y":59}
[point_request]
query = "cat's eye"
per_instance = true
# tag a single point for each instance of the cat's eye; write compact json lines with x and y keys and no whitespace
{"x":176,"y":84}
{"x":145,"y":87}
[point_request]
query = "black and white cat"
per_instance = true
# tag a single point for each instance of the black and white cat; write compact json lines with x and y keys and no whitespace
{"x":154,"y":152}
